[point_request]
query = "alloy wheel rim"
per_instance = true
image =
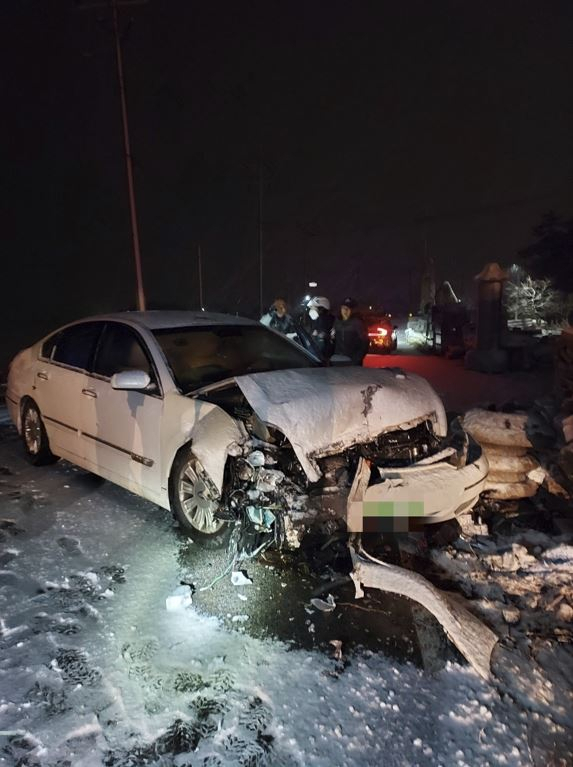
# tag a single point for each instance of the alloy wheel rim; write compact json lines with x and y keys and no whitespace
{"x":32,"y":431}
{"x":196,"y":500}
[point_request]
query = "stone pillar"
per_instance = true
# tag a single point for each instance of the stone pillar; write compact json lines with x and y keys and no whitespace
{"x":489,"y":357}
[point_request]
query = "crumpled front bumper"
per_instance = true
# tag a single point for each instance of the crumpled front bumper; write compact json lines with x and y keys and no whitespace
{"x":410,"y":497}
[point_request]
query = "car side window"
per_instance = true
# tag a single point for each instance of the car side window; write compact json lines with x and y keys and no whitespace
{"x":49,"y":345}
{"x":75,"y":345}
{"x":120,"y":349}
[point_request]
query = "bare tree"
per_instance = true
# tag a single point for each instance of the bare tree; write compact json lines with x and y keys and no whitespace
{"x":531,"y":299}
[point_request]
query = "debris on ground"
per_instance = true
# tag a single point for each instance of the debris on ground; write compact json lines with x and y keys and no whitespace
{"x":240,"y":578}
{"x":324,"y":605}
{"x":179,"y":599}
{"x":336,"y":649}
{"x":472,"y":637}
{"x":534,"y":577}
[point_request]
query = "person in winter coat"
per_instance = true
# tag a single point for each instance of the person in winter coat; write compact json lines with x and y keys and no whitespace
{"x":350,"y":333}
{"x":279,"y":319}
{"x":321,"y":323}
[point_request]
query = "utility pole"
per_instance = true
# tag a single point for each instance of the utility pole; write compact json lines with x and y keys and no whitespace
{"x":261,"y":238}
{"x":428,"y":276}
{"x":200,"y":268}
{"x":115,"y":4}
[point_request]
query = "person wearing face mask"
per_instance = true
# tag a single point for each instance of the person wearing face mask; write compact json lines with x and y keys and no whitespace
{"x":350,"y":333}
{"x":321,"y":322}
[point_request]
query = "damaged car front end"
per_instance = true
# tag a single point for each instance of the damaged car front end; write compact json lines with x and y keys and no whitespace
{"x":351,"y":449}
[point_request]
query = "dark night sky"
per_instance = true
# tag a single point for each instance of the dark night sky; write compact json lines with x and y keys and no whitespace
{"x":368,"y":117}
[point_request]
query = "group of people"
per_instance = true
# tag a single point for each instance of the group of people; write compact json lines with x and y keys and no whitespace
{"x":344,"y":336}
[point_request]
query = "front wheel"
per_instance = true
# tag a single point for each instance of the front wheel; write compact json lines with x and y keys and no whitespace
{"x":36,"y":443}
{"x":194,"y":502}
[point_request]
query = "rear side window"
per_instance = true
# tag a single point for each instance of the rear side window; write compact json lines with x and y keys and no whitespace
{"x":49,"y":345}
{"x":120,"y":349}
{"x":75,"y":346}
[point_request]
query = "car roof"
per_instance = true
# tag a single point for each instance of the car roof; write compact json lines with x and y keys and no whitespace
{"x":163,"y":319}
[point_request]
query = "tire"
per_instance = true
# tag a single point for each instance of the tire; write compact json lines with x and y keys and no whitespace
{"x":35,"y":437}
{"x":193,"y":503}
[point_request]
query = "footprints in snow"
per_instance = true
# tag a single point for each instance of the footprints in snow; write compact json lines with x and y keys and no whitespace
{"x":214,"y":704}
{"x":70,"y":545}
{"x":74,"y":668}
{"x":9,"y":529}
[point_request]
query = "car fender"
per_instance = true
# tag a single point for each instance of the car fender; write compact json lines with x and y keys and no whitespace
{"x":20,"y":383}
{"x":207,"y":427}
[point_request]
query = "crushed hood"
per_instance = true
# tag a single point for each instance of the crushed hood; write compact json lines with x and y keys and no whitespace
{"x":325,"y":410}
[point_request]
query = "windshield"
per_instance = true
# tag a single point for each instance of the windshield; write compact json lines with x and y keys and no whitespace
{"x":206,"y":354}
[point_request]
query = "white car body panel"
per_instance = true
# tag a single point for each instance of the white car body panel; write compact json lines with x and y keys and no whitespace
{"x":326,"y":410}
{"x":58,"y":397}
{"x":119,"y":433}
{"x":209,"y":429}
{"x":442,"y":491}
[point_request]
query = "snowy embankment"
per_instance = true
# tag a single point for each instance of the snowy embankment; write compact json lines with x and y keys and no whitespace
{"x":95,"y":671}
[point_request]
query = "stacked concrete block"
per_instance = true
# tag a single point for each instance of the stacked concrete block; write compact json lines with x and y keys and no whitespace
{"x":513,"y":471}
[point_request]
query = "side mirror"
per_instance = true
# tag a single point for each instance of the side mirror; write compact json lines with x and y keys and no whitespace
{"x":130,"y":380}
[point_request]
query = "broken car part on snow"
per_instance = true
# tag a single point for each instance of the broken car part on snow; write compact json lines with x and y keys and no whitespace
{"x":472,"y":637}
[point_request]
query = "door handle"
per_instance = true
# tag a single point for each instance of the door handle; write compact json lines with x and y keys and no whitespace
{"x":89,"y":393}
{"x":44,"y":376}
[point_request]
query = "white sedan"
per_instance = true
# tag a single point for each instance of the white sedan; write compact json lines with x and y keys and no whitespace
{"x":237,"y":429}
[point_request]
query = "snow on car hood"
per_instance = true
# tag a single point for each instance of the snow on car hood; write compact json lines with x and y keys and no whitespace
{"x":325,"y":410}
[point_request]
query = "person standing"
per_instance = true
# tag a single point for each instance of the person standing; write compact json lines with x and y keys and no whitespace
{"x":350,"y":334}
{"x":278,"y":318}
{"x":321,"y":323}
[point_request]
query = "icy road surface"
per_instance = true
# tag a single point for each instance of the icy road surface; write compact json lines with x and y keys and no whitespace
{"x":95,"y":671}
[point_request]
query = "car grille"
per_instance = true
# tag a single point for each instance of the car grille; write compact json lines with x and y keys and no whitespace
{"x":402,"y":447}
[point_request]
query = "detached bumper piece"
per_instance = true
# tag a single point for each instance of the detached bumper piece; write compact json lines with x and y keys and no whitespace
{"x":408,"y":498}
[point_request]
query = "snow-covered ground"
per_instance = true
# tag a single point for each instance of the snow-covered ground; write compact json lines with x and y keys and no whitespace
{"x":94,"y":670}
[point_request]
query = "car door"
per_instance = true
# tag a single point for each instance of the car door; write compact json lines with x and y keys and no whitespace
{"x":120,"y":429}
{"x":60,"y":376}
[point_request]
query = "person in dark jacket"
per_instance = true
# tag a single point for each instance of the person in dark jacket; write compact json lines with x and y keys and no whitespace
{"x":350,"y":334}
{"x":321,"y":323}
{"x":279,"y":319}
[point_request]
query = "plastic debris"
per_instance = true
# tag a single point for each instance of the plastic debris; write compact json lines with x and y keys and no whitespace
{"x":240,"y":578}
{"x":325,"y":605}
{"x":180,"y":599}
{"x":336,"y":648}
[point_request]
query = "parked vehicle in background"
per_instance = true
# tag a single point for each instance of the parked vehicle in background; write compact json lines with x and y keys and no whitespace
{"x":246,"y":437}
{"x":382,"y":335}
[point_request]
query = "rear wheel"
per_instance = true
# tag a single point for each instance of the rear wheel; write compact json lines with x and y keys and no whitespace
{"x":36,"y":442}
{"x":194,"y":502}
